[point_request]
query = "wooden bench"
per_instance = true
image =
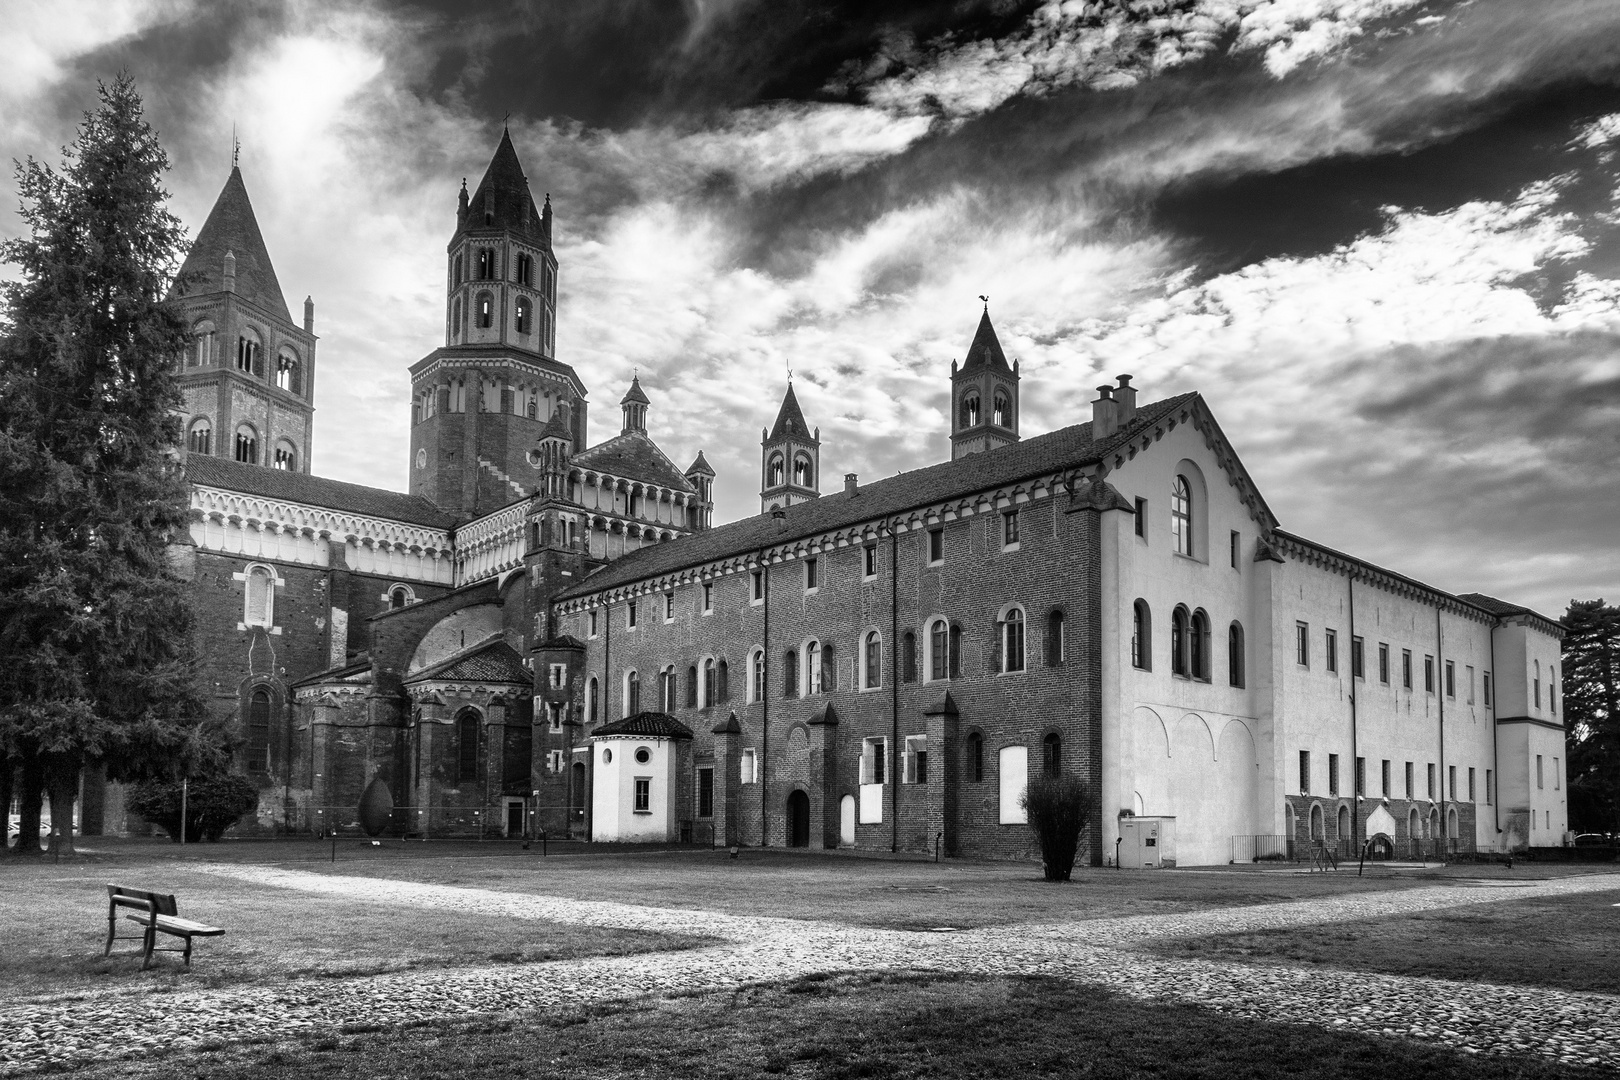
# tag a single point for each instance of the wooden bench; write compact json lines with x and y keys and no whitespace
{"x":156,"y":912}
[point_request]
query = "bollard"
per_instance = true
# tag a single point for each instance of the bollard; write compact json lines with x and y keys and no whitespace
{"x":937,"y":837}
{"x":334,"y":845}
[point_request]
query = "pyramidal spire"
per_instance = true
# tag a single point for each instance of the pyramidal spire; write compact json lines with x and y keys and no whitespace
{"x":790,"y":418}
{"x":986,"y":349}
{"x":232,"y":229}
{"x":502,"y":199}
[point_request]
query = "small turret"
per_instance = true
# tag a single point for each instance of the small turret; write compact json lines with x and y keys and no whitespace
{"x":461,"y":205}
{"x":635,"y":407}
{"x":984,"y":395}
{"x":790,"y":458}
{"x":701,"y":477}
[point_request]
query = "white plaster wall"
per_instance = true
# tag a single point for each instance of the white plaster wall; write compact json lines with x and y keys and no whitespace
{"x":613,"y":813}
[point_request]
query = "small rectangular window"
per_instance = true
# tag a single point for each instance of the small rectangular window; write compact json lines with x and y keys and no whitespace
{"x":810,"y":580}
{"x":1361,"y":776}
{"x":1556,"y":775}
{"x":1358,"y":668}
{"x":1431,"y":780}
{"x":1302,"y":644}
{"x":1304,"y":772}
{"x":1488,"y":779}
{"x":936,"y":545}
{"x":669,"y":607}
{"x":1451,"y":679}
{"x":592,"y":624}
{"x":643,"y":795}
{"x":1487,"y":688}
{"x":916,"y":763}
{"x":1406,"y":668}
{"x":705,"y":793}
{"x":1538,"y":771}
{"x":869,"y":560}
{"x":1470,"y":783}
{"x":1451,"y":782}
{"x":1383,"y":663}
{"x":1141,"y":518}
{"x":1428,"y":674}
{"x":708,"y":597}
{"x":1237,"y":542}
{"x":759,"y":587}
{"x":1410,"y":790}
{"x":872,"y":753}
{"x":1383,"y":776}
{"x":1468,"y":673}
{"x":1009,"y":529}
{"x":555,"y":760}
{"x":630,"y":615}
{"x":559,"y":676}
{"x":1331,"y":659}
{"x":1333,"y":774}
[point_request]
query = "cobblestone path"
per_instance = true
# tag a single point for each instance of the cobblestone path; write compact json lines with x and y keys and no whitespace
{"x":1567,"y":1026}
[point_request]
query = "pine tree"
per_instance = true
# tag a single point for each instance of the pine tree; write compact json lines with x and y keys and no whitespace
{"x":95,"y":628}
{"x":1591,"y":658}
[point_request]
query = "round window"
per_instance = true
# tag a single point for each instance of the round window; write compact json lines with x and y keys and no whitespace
{"x":643,"y":755}
{"x":607,"y":756}
{"x":421,"y":459}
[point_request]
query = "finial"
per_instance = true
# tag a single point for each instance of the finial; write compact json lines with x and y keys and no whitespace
{"x":236,"y":148}
{"x":504,"y":119}
{"x":463,"y":183}
{"x":986,"y":300}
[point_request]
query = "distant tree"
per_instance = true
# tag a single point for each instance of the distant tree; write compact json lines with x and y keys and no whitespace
{"x":1591,"y":657}
{"x":213,"y":804}
{"x":1057,"y":807}
{"x":95,"y":628}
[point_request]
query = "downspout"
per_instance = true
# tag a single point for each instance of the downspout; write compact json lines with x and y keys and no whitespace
{"x":1440,"y":696}
{"x":1357,"y":772}
{"x":588,"y":796}
{"x":894,"y":687}
{"x":765,"y":702}
{"x":1496,"y":764}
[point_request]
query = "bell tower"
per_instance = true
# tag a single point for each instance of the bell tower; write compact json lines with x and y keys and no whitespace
{"x":984,"y":395}
{"x":789,"y":459}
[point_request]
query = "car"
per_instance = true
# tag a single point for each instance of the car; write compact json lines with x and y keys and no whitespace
{"x":1591,"y":839}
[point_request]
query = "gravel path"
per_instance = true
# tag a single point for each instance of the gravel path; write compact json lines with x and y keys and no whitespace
{"x":1567,"y":1026}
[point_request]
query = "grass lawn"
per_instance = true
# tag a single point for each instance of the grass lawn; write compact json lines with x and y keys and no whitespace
{"x":852,"y":1026}
{"x":1569,"y":942}
{"x":55,"y":926}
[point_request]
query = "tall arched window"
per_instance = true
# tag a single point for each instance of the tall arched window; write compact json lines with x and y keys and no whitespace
{"x":812,"y":667}
{"x":1001,"y":414}
{"x":287,"y":373}
{"x":1178,"y":641}
{"x":775,"y":474}
{"x":247,"y":445}
{"x":260,"y":597}
{"x":1234,"y":654}
{"x":525,"y":268}
{"x":1055,"y":645}
{"x":1318,"y":826}
{"x":970,"y":410}
{"x":457,"y":327}
{"x":802,"y":475}
{"x":486,"y":264}
{"x":756,"y":676}
{"x":722,"y":681}
{"x":1052,"y":755}
{"x":200,"y":439}
{"x":691,"y":686}
{"x":1142,"y":636}
{"x":523,"y":315}
{"x":666,"y":689}
{"x":873,"y":653}
{"x":257,"y":749}
{"x":1012,"y":641}
{"x":467,"y":745}
{"x":286,"y":457}
{"x":592,"y":695}
{"x":710,"y":688}
{"x":939,"y":650}
{"x":956,"y":651}
{"x":632,"y":692}
{"x":790,"y":673}
{"x":1198,"y":646}
{"x":485,"y":311}
{"x":202,"y":346}
{"x":829,"y":669}
{"x":1181,"y":515}
{"x":249,"y":353}
{"x":908,"y":657}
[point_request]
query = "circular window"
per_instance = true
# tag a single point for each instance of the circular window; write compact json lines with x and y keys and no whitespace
{"x":421,"y":459}
{"x":643,"y":755}
{"x":607,"y":756}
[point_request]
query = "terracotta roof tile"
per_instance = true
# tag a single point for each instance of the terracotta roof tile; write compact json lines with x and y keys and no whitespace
{"x":647,"y":725}
{"x":314,"y":490}
{"x":633,"y":456}
{"x":489,"y":661}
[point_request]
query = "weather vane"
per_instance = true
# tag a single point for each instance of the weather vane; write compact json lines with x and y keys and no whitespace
{"x":985,"y":298}
{"x":236,"y":147}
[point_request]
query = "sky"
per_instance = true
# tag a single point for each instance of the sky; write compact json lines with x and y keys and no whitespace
{"x":1381,"y":237}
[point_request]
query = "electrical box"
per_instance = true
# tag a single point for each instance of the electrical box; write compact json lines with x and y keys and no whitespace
{"x":1147,"y":841}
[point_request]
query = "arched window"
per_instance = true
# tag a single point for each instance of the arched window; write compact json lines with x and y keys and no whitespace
{"x":973,"y":767}
{"x":873,"y":658}
{"x":1055,"y":644}
{"x":812,"y":668}
{"x":259,"y":603}
{"x":939,"y":650}
{"x":710,"y":688}
{"x":666,"y":689}
{"x":458,"y":271}
{"x":398,"y":597}
{"x":970,"y":410}
{"x":908,"y":657}
{"x":202,"y":346}
{"x":523,"y":315}
{"x":486,"y":264}
{"x":632,"y":692}
{"x":1234,"y":654}
{"x":287,"y":373}
{"x":802,"y":475}
{"x":592,"y":694}
{"x":257,"y":749}
{"x":485,"y":311}
{"x":956,"y":650}
{"x":1198,"y":646}
{"x":774,"y":474}
{"x":200,"y":439}
{"x":790,"y":673}
{"x":691,"y":686}
{"x":249,"y":353}
{"x":1142,"y":636}
{"x":1318,"y":826}
{"x":467,"y":745}
{"x":1178,"y":641}
{"x":286,"y":457}
{"x":525,"y":269}
{"x":1052,"y":755}
{"x":534,"y":409}
{"x":1012,"y":641}
{"x":1344,"y":823}
{"x":1001,"y":415}
{"x":756,"y":676}
{"x":829,"y":669}
{"x":1181,"y":515}
{"x":722,"y":681}
{"x":457,"y":327}
{"x":247,"y":445}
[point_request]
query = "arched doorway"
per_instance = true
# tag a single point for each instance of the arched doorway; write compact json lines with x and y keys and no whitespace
{"x":576,"y":799}
{"x":846,"y":821}
{"x":1318,"y":830}
{"x":798,"y":819}
{"x":1345,"y":838}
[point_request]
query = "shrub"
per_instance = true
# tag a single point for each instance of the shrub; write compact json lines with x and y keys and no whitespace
{"x":1057,"y":807}
{"x":213,"y":804}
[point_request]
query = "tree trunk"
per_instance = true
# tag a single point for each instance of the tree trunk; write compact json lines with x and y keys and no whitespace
{"x":62,"y":784}
{"x":30,"y":788}
{"x":8,"y":775}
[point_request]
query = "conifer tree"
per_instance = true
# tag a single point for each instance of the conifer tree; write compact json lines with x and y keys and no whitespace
{"x":95,"y":627}
{"x":1591,"y":657}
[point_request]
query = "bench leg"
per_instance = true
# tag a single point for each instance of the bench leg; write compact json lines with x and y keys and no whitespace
{"x":149,"y":944}
{"x":188,"y":950}
{"x":112,"y":926}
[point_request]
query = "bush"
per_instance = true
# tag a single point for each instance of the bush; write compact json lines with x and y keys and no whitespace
{"x":1057,"y":807}
{"x":213,"y":804}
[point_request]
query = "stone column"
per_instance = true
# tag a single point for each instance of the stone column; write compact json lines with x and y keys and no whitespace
{"x":727,"y":782}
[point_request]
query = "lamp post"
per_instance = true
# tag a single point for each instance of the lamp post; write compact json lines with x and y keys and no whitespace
{"x":185,"y":791}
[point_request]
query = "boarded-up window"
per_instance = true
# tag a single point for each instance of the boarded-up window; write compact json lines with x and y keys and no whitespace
{"x":259,"y":586}
{"x":1013,"y":773}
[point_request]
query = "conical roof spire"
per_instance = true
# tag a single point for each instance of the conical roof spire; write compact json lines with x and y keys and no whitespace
{"x":635,"y":396}
{"x":700,"y":466}
{"x":232,"y":229}
{"x":790,"y":418}
{"x":502,"y":199}
{"x":985,"y":350}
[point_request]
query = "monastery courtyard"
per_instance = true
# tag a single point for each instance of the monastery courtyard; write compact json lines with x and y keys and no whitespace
{"x":444,"y":959}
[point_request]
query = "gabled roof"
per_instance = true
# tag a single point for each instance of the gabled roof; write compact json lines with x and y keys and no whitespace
{"x":646,"y":725}
{"x":986,"y":348}
{"x":635,"y":395}
{"x":633,"y":456}
{"x":502,"y":200}
{"x":491,"y":661}
{"x":231,"y":227}
{"x":556,"y":428}
{"x":700,"y":466}
{"x":1066,"y":448}
{"x":790,"y":418}
{"x":314,"y":491}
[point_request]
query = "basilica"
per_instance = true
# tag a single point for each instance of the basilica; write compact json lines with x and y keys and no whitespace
{"x":550,"y":635}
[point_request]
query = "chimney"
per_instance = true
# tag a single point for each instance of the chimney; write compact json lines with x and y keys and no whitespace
{"x":850,"y":487}
{"x":1104,"y":413}
{"x":780,"y":516}
{"x":230,"y":272}
{"x":1125,"y":397}
{"x":309,"y":315}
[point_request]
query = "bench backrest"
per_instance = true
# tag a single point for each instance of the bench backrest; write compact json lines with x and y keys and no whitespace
{"x":157,"y":903}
